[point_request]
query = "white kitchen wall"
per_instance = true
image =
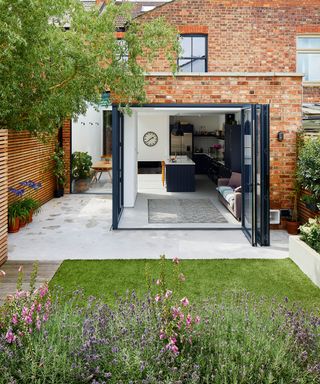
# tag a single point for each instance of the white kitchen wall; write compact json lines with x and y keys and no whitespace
{"x":87,"y":133}
{"x":130,"y":169}
{"x":158,"y":123}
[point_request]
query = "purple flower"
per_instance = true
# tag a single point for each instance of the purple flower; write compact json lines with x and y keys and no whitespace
{"x":157,"y":298}
{"x":10,"y":337}
{"x":176,"y":260}
{"x":14,"y":319}
{"x":168,"y":294}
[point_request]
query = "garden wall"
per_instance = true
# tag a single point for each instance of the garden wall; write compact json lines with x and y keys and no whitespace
{"x":3,"y":194}
{"x":30,"y":159}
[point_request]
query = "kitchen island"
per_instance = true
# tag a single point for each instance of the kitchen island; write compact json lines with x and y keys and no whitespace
{"x":180,"y":174}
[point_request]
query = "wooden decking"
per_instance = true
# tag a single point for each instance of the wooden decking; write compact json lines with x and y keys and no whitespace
{"x":46,"y":270}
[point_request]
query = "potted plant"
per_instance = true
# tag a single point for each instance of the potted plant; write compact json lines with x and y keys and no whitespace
{"x":59,"y":171}
{"x":32,"y":206}
{"x":13,"y":217}
{"x":81,"y":171}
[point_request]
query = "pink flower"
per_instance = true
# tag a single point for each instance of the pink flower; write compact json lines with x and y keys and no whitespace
{"x":176,"y":260}
{"x":28,"y":319}
{"x":168,"y":294}
{"x":184,"y":302}
{"x":10,"y":337}
{"x":158,"y":282}
{"x":45,"y":317}
{"x":39,"y":307}
{"x":175,"y":312}
{"x":38,"y":324}
{"x":197,"y":319}
{"x":25,"y":311}
{"x":30,"y":330}
{"x":188,"y":320}
{"x":2,"y":273}
{"x":157,"y":298}
{"x":43,"y":291}
{"x":175,"y":349}
{"x":162,"y":335}
{"x":14,"y":319}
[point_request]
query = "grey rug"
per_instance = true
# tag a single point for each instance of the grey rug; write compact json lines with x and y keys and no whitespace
{"x":169,"y":211}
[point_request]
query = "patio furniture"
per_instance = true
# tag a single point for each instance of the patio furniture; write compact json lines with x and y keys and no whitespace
{"x":99,"y":167}
{"x":229,"y":194}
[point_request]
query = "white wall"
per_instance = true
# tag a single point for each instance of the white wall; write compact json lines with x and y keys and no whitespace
{"x":158,"y":123}
{"x":130,"y":160}
{"x":87,"y":133}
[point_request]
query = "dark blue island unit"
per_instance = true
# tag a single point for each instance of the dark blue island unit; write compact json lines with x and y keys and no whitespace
{"x":180,"y":175}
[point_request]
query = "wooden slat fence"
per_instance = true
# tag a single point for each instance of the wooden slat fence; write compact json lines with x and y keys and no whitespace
{"x":30,"y":159}
{"x":3,"y":194}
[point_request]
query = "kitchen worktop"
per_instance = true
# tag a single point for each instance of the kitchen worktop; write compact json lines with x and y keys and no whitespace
{"x":210,"y":156}
{"x":180,"y":160}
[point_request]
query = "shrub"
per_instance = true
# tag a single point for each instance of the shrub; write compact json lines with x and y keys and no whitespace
{"x":310,"y":233}
{"x":308,"y":170}
{"x":239,"y":340}
{"x":81,"y":165}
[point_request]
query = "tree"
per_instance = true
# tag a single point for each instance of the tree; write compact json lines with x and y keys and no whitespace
{"x":48,"y":73}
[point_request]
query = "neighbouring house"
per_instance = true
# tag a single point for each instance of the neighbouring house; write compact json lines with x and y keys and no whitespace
{"x":247,"y":73}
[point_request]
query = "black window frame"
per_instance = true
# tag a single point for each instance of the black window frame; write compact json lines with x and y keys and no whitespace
{"x":205,"y":59}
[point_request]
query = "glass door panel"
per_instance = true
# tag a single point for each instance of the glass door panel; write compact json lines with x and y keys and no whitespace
{"x":117,"y":165}
{"x":247,"y":174}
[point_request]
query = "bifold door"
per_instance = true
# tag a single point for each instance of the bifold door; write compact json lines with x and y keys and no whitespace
{"x":255,"y":174}
{"x":117,"y":166}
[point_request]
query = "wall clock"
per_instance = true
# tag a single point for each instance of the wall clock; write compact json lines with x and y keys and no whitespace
{"x":150,"y":139}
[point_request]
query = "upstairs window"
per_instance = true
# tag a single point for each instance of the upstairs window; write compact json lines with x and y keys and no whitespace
{"x":123,"y":52}
{"x":194,"y":56}
{"x":308,"y":50}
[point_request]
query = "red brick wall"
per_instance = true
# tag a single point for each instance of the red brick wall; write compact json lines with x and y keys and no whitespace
{"x":311,"y":94}
{"x":66,"y":144}
{"x":284,"y":95}
{"x":244,"y":36}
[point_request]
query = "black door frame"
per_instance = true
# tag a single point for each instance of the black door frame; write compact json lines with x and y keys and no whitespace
{"x":117,"y":148}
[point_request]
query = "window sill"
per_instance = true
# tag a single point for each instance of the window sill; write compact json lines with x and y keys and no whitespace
{"x":311,"y":83}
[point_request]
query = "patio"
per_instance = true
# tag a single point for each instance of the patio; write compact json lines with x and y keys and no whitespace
{"x":79,"y":227}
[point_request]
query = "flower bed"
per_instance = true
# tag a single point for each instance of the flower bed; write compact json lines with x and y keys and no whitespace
{"x":164,"y":338}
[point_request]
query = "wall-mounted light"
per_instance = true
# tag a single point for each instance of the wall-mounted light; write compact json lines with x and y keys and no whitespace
{"x":280,"y":136}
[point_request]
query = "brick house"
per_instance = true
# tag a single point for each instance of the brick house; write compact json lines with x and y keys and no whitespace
{"x":239,"y":55}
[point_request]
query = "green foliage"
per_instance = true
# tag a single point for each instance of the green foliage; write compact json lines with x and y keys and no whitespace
{"x":31,"y":205}
{"x":17,"y":210}
{"x":59,"y":169}
{"x":310,"y":233}
{"x":81,"y":165}
{"x":308,"y":169}
{"x":48,"y":74}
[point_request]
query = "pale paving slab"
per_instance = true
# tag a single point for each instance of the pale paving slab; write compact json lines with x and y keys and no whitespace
{"x":78,"y":227}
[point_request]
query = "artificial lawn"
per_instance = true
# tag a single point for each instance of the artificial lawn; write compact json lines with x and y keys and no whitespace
{"x":204,"y":278}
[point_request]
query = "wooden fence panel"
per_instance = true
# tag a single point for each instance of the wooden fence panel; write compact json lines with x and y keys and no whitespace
{"x":30,"y":159}
{"x":3,"y":195}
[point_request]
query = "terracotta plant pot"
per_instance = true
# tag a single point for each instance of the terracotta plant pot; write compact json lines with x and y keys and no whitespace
{"x":29,"y":218}
{"x":14,"y":226}
{"x":293,"y":227}
{"x":23,"y":222}
{"x":81,"y":185}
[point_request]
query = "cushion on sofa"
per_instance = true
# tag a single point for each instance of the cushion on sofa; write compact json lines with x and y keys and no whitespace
{"x":224,"y":189}
{"x":235,"y":180}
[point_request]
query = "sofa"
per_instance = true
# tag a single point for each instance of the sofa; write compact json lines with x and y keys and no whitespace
{"x":229,"y":193}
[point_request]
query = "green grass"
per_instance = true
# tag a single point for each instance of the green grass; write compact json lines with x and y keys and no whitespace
{"x":270,"y":278}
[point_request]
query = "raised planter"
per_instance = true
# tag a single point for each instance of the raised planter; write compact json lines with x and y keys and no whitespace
{"x":307,"y":259}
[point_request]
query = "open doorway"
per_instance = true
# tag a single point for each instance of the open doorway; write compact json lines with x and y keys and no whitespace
{"x":185,"y":160}
{"x":91,"y":153}
{"x":209,"y":172}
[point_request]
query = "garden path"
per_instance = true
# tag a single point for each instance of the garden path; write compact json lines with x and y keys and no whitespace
{"x":78,"y":227}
